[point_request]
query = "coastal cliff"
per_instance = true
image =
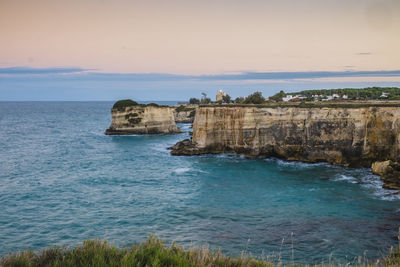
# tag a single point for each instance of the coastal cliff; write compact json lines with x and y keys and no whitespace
{"x":185,"y":113}
{"x":349,"y":136}
{"x":142,"y":119}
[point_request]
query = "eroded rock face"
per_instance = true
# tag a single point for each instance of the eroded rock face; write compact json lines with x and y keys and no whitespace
{"x":185,"y":113}
{"x":344,"y":136}
{"x":389,"y":172}
{"x":142,"y":120}
{"x":184,"y":116}
{"x":380,"y":167}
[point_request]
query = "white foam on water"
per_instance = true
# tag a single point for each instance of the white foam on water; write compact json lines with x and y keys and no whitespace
{"x":227,"y":155}
{"x":343,"y":177}
{"x":390,"y":196}
{"x":161,"y":148}
{"x":374,"y":184}
{"x":298,"y":164}
{"x":182,"y":170}
{"x":98,"y":133}
{"x":185,"y":127}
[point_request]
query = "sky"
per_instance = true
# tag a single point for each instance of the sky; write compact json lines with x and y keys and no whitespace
{"x":176,"y":49}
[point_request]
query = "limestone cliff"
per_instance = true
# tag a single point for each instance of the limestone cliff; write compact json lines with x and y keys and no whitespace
{"x":350,"y":136}
{"x":142,"y":119}
{"x":185,"y":114}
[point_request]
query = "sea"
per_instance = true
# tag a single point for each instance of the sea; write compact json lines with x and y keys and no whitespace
{"x":62,"y":180}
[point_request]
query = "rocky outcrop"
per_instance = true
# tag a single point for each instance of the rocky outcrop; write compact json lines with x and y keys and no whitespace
{"x":389,"y":172}
{"x":350,"y":136}
{"x":142,"y":119}
{"x":185,"y":148}
{"x":185,"y":114}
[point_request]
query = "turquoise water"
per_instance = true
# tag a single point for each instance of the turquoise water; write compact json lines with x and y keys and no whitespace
{"x":62,"y":181}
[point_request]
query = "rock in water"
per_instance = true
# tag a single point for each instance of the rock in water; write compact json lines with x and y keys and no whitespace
{"x":389,"y":172}
{"x":132,"y":118}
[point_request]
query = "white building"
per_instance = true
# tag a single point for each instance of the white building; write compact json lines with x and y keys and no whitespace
{"x":287,"y":98}
{"x":384,"y":95}
{"x":219,"y":96}
{"x":292,"y":98}
{"x":328,"y":98}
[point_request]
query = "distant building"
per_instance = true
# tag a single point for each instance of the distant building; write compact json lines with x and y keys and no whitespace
{"x":345,"y":96}
{"x":317,"y":97}
{"x":293,"y":98}
{"x":219,"y":96}
{"x":384,"y":95}
{"x":335,"y":96}
{"x":287,"y":98}
{"x":328,"y":98}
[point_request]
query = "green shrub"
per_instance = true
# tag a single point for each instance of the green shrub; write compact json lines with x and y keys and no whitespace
{"x":255,"y":98}
{"x":124,"y":103}
{"x":182,"y":108}
{"x":239,"y":100}
{"x":194,"y":101}
{"x":153,"y":105}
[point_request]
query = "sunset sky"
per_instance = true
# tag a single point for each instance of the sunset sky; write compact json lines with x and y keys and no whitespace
{"x":105,"y":50}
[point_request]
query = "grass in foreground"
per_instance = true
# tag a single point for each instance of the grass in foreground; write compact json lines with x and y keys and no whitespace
{"x":152,"y":252}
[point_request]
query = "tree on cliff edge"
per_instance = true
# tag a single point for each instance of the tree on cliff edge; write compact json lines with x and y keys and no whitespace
{"x":226,"y":99}
{"x":194,"y":101}
{"x":278,"y":97}
{"x":255,"y":98}
{"x":205,"y":99}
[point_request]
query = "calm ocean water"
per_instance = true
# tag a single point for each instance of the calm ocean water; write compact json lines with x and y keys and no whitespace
{"x":62,"y":181}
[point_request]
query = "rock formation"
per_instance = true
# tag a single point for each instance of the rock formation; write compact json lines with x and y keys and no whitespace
{"x":185,"y":114}
{"x":349,"y":136}
{"x":142,"y":119}
{"x":389,"y":172}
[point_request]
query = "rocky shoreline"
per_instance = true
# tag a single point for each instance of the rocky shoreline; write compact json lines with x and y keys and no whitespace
{"x":341,"y":136}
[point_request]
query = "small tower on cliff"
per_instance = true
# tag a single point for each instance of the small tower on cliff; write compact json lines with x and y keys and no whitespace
{"x":220,"y":95}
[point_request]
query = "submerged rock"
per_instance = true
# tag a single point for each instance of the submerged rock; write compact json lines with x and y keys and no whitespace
{"x":133,"y":118}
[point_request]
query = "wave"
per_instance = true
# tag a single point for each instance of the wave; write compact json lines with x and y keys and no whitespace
{"x":371,"y":183}
{"x":182,"y":170}
{"x":343,"y":177}
{"x":298,"y":164}
{"x":184,"y":126}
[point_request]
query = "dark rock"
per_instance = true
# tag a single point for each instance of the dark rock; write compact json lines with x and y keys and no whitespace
{"x":389,"y":172}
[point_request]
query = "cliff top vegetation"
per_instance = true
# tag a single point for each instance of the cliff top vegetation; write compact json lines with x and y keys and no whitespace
{"x":333,"y":104}
{"x":369,"y":93}
{"x":125,"y":103}
{"x":254,"y":98}
{"x":184,"y":108}
{"x":121,"y":104}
